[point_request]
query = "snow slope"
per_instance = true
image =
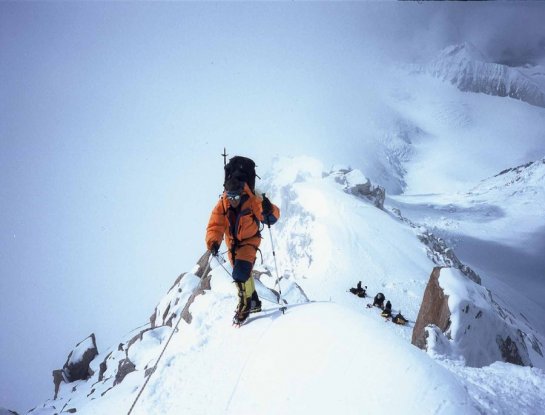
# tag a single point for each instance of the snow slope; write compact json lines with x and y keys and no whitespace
{"x":425,"y":134}
{"x":328,"y":239}
{"x":497,"y":226}
{"x":333,"y":354}
{"x":317,"y":358}
{"x":509,"y":205}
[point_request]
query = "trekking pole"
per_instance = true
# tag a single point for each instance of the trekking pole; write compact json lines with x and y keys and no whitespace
{"x":275,"y":265}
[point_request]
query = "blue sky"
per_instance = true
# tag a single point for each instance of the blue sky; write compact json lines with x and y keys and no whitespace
{"x":112,"y":118}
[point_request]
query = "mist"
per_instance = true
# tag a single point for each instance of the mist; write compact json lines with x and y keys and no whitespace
{"x":113,"y":117}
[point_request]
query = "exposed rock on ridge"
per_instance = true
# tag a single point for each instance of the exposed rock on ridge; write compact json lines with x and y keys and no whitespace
{"x":357,"y":184}
{"x":434,"y":310}
{"x":77,"y":364}
{"x":463,"y":320}
{"x":437,"y":249}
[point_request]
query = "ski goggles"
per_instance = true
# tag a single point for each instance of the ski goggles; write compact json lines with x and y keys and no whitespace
{"x":233,"y":196}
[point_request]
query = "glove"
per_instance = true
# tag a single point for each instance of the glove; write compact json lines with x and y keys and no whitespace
{"x":266,"y":206}
{"x":214,"y":249}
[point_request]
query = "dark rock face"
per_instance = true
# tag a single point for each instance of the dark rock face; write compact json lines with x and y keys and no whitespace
{"x":438,"y":251}
{"x":77,"y":364}
{"x":434,"y":310}
{"x":103,"y":368}
{"x":125,"y":367}
{"x":509,"y":351}
{"x":376,"y":194}
{"x":203,"y":264}
{"x":166,"y":316}
{"x":57,"y":379}
{"x":475,"y":327}
{"x":360,"y":186}
{"x":441,"y":254}
{"x":204,"y":285}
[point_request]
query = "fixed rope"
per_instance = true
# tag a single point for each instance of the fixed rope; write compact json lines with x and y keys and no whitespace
{"x":199,"y":287}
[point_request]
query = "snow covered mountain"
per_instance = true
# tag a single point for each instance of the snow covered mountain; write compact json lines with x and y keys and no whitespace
{"x":111,"y":135}
{"x":426,"y":134}
{"x":464,"y":66}
{"x":389,"y":228}
{"x":328,"y":348}
{"x":497,"y":225}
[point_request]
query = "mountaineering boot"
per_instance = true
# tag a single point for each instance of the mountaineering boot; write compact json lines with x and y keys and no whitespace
{"x":243,"y":308}
{"x":255,"y":303}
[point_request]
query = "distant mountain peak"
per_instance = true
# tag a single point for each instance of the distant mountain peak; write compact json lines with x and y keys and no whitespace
{"x":521,"y":168}
{"x":464,"y":66}
{"x":465,"y":50}
{"x":526,"y":181}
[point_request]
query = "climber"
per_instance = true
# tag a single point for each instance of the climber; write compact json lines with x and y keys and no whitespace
{"x":379,"y":300}
{"x":399,"y":319}
{"x":387,"y":312}
{"x":236,"y":218}
{"x":360,"y":292}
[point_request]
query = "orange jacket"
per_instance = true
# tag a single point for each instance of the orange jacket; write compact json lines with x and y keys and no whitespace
{"x":239,"y":226}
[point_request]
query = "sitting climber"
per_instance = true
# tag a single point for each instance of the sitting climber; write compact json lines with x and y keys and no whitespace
{"x":399,"y":319}
{"x":360,"y":292}
{"x":379,"y":300}
{"x":387,"y":312}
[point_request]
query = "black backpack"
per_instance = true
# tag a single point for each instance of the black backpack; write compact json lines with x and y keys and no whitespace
{"x":241,"y":168}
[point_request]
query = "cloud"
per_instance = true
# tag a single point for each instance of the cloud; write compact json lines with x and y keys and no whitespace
{"x":509,"y":33}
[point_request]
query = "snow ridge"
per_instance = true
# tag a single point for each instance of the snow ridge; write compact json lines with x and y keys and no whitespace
{"x":334,"y":231}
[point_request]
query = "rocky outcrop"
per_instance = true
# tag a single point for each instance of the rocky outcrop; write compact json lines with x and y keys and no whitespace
{"x":77,"y":365}
{"x":509,"y":351}
{"x":355,"y":183}
{"x":204,"y":285}
{"x":167,"y":310}
{"x":437,"y":250}
{"x":203,"y":265}
{"x":103,"y":367}
{"x":375,"y":194}
{"x":58,"y":378}
{"x":124,"y":368}
{"x":433,"y":311}
{"x":463,"y":320}
{"x":444,"y":256}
